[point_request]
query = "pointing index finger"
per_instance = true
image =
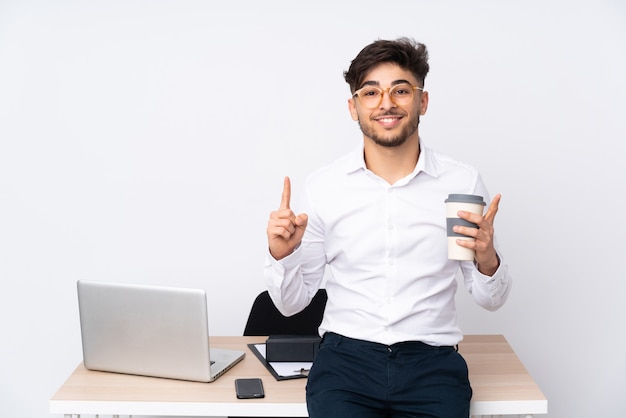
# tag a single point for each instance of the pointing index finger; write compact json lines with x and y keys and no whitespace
{"x":286,"y":197}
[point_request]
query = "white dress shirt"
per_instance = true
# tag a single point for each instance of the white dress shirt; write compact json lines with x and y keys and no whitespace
{"x":386,"y":249}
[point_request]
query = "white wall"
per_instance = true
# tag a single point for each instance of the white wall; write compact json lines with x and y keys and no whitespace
{"x":146,"y":141}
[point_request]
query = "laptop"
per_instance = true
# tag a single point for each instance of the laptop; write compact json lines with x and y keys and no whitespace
{"x":150,"y":331}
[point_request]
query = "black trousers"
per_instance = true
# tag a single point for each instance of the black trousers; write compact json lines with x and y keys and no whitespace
{"x":353,"y":378}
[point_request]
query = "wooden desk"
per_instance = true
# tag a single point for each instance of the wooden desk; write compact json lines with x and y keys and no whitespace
{"x":501,"y":385}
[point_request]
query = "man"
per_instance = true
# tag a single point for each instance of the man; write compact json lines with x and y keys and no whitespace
{"x":376,"y":218}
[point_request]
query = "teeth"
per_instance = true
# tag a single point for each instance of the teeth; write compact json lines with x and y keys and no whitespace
{"x":387,"y":120}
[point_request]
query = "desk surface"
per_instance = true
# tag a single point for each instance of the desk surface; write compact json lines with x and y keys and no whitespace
{"x":500,"y":383}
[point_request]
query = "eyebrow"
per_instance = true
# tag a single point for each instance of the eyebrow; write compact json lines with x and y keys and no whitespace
{"x":377,"y":84}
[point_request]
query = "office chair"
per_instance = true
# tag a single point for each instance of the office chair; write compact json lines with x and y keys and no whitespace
{"x":265,"y":319}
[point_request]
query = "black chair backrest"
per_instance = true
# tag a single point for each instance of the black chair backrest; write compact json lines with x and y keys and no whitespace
{"x":265,"y":319}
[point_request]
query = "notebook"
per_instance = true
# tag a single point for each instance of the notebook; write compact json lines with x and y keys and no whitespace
{"x":150,"y":331}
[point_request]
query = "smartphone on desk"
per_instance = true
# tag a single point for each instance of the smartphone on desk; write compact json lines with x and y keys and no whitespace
{"x":251,"y":388}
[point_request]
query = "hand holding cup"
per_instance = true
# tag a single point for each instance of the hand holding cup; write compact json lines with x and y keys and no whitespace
{"x":454,"y":204}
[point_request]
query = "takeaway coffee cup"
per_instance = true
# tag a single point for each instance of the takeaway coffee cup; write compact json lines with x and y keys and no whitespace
{"x":455,"y":203}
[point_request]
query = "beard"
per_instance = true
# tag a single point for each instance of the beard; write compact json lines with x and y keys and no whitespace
{"x":394,"y":141}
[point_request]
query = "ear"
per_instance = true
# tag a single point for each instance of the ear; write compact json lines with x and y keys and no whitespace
{"x":423,"y":103}
{"x":352,"y":109}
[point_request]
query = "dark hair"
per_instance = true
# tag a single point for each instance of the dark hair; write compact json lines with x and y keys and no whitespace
{"x":405,"y":52}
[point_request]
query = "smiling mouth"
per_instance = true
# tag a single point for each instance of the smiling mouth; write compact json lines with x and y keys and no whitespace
{"x":388,"y":120}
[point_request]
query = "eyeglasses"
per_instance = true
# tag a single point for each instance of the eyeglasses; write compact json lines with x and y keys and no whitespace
{"x":371,"y":96}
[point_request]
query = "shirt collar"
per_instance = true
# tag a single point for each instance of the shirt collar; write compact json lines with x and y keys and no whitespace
{"x":425,"y":163}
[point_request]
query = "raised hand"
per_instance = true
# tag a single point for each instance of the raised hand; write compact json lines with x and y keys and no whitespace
{"x":284,"y":228}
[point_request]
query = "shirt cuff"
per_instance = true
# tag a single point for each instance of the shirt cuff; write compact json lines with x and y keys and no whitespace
{"x":497,"y":274}
{"x":275,"y":270}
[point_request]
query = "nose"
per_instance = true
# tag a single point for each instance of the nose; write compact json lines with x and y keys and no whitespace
{"x":385,"y":100}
